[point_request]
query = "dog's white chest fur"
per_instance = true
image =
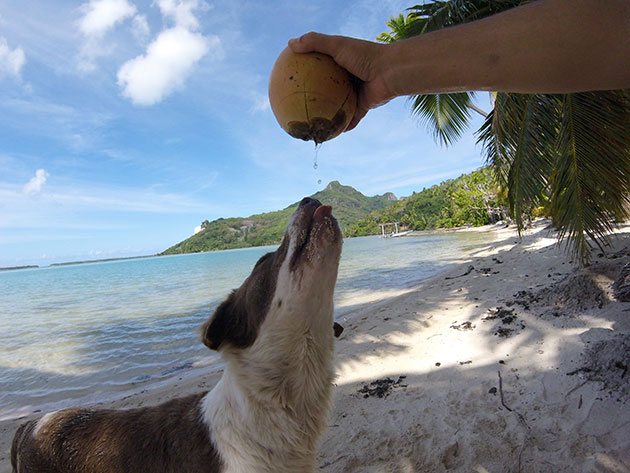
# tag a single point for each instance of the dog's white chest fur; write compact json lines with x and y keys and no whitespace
{"x":267,"y":417}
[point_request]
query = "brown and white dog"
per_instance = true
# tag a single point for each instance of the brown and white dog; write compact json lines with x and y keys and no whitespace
{"x":270,"y":407}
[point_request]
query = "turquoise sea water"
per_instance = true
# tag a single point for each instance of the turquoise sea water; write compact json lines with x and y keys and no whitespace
{"x":94,"y":330}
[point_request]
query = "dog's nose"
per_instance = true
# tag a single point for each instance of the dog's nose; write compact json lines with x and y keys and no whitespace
{"x":310,"y":201}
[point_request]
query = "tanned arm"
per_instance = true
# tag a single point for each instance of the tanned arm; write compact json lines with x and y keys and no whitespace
{"x":547,"y":46}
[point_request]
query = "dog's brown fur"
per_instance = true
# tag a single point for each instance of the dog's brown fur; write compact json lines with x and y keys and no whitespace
{"x":238,"y":318}
{"x":141,"y":440}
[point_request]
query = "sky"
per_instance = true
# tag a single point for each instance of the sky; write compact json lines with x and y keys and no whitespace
{"x":125,"y":123}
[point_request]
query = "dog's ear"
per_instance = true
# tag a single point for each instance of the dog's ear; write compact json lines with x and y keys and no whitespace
{"x":229,"y":324}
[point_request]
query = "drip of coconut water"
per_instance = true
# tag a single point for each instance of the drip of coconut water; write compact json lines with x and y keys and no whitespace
{"x":315,"y":165}
{"x":317,"y":147}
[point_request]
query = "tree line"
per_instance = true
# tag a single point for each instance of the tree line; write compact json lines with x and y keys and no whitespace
{"x":473,"y":199}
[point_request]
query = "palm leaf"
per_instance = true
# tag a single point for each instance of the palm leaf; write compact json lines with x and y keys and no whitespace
{"x":591,"y":184}
{"x":447,"y":115}
{"x":519,"y":140}
{"x":440,"y":14}
{"x":397,"y":26}
{"x":530,"y":136}
{"x":494,"y":142}
{"x":401,"y":27}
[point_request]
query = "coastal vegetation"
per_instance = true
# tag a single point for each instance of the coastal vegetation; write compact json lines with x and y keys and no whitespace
{"x":473,"y":199}
{"x":101,"y":260}
{"x":567,"y":152}
{"x":15,"y":268}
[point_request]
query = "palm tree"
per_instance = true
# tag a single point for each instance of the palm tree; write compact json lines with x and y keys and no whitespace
{"x":567,"y":152}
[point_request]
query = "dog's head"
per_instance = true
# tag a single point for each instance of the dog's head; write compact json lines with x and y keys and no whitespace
{"x":288,"y":290}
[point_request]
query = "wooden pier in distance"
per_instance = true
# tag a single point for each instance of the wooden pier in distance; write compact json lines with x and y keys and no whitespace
{"x":393,"y":234}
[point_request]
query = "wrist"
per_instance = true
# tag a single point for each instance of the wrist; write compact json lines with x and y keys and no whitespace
{"x":405,"y":66}
{"x":387,"y":75}
{"x":427,"y":64}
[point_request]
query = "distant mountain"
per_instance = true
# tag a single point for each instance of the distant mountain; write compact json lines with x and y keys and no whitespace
{"x":349,"y":207}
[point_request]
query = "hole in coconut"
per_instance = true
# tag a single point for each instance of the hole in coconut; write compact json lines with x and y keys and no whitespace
{"x":317,"y":129}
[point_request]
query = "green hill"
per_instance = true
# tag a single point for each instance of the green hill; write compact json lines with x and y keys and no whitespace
{"x":349,"y":207}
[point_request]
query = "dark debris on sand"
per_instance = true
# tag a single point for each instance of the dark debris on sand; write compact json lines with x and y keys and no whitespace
{"x":607,"y":362}
{"x":463,"y":326}
{"x":506,"y":317}
{"x":524,"y":298}
{"x":580,"y":289}
{"x":621,"y":286}
{"x":487,"y":271}
{"x":499,"y":313}
{"x":382,"y":387}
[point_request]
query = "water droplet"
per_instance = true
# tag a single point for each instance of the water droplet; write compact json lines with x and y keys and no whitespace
{"x":319,"y":181}
{"x":317,"y":147}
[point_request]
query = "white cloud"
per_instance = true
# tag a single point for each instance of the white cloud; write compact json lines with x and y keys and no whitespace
{"x":100,"y":16}
{"x":170,"y":58}
{"x":35,"y":185}
{"x":182,"y":12}
{"x":11,"y":60}
{"x":140,"y":28}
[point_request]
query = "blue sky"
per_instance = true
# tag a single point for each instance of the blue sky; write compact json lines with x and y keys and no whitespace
{"x":125,"y":123}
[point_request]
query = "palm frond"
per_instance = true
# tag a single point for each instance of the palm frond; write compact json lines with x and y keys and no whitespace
{"x":440,"y":14}
{"x":591,"y":184}
{"x":518,"y":139}
{"x":398,"y":27}
{"x":447,"y":115}
{"x":530,"y":136}
{"x":494,"y":143}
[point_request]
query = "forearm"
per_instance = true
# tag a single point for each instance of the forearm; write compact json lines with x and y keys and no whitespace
{"x":551,"y":46}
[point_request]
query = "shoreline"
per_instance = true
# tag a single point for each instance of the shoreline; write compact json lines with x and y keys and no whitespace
{"x":435,"y":351}
{"x":414,"y":233}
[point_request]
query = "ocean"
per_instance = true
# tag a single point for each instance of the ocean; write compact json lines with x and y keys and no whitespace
{"x":91,"y":331}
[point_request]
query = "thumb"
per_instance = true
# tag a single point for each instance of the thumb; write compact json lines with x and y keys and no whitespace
{"x":312,"y":41}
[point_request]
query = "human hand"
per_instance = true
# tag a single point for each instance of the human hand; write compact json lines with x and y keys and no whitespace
{"x":363,"y":59}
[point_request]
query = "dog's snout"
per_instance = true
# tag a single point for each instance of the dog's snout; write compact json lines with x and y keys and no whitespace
{"x":310,"y":201}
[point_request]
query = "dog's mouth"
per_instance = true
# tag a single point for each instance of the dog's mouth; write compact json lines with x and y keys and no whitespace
{"x":315,"y":230}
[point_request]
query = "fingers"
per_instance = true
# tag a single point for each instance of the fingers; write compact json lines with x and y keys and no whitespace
{"x":353,"y":55}
{"x":358,"y":116}
{"x":312,"y":41}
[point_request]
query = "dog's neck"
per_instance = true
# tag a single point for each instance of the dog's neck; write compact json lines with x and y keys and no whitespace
{"x":274,"y":404}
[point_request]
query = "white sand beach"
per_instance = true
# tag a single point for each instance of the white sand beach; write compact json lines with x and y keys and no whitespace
{"x":514,"y":361}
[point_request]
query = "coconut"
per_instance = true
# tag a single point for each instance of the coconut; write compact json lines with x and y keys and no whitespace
{"x":312,"y":97}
